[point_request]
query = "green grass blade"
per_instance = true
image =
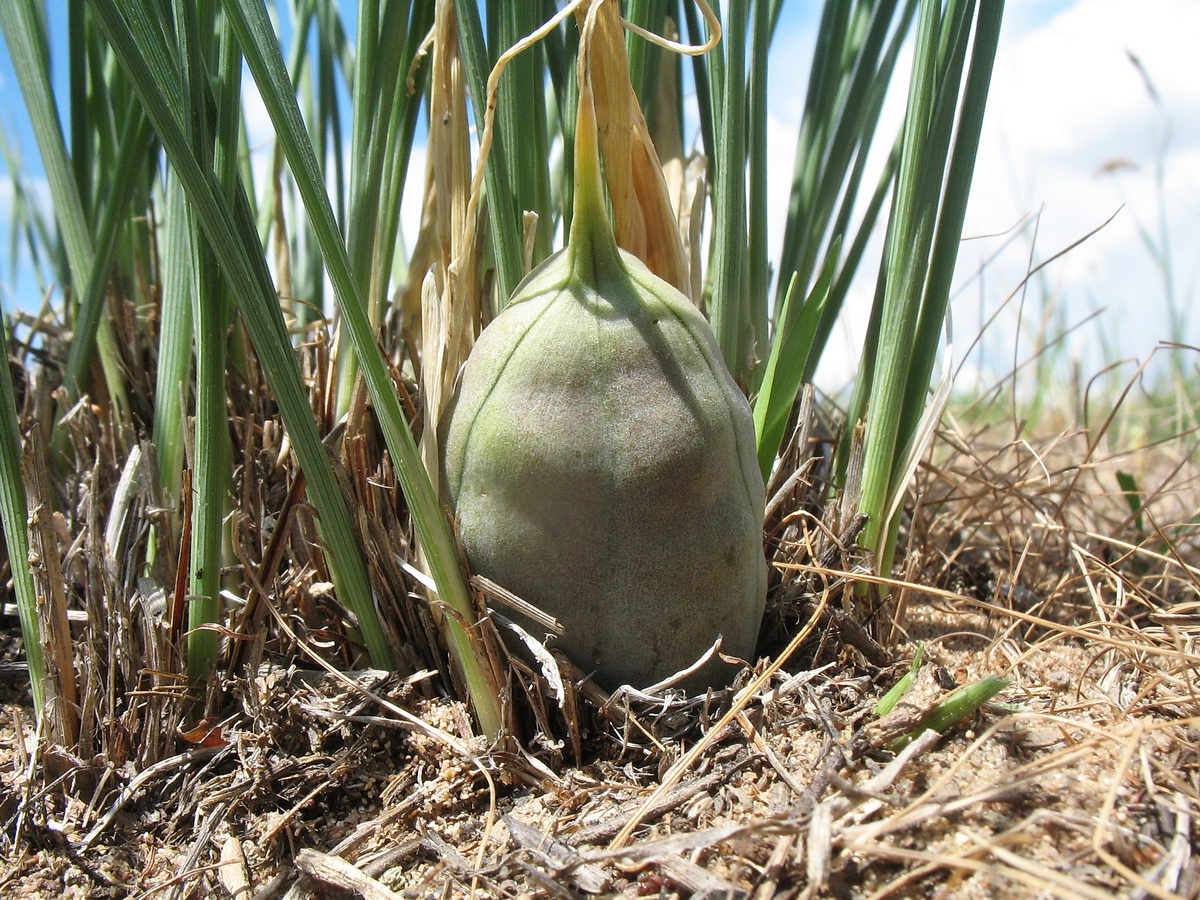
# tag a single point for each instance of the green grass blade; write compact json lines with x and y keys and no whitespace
{"x":383,"y":108}
{"x":504,"y":219}
{"x":23,"y":31}
{"x":561,"y":46}
{"x":922,"y":245}
{"x":863,"y":234}
{"x":374,"y":72}
{"x":28,"y":226}
{"x":521,"y":125}
{"x":132,"y":159}
{"x":920,"y":413}
{"x":853,"y":62}
{"x":253,"y":29}
{"x":1133,"y":497}
{"x":234,"y":240}
{"x":327,"y":123}
{"x":758,"y":276}
{"x":211,"y":467}
{"x":705,"y":77}
{"x":889,"y":700}
{"x":790,"y":353}
{"x":14,"y":514}
{"x":956,"y":707}
{"x":173,"y":377}
{"x":78,"y":107}
{"x":825,"y":73}
{"x":909,"y":234}
{"x":954,"y":203}
{"x":210,"y":319}
{"x":22,"y":25}
{"x":856,"y":410}
{"x":851,"y":70}
{"x":727,"y":310}
{"x":644,"y":57}
{"x":389,"y":253}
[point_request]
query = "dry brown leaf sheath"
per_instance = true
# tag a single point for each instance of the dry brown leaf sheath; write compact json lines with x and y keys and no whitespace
{"x":643,"y":216}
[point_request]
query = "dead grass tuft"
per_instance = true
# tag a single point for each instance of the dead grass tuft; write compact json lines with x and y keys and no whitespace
{"x":307,"y":776}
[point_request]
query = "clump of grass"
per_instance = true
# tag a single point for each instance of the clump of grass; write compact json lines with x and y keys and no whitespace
{"x":163,"y":85}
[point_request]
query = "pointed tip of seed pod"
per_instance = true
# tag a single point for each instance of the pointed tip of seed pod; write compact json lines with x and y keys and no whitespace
{"x":592,"y":244}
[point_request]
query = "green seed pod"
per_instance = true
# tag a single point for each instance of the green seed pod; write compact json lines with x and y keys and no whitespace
{"x":601,"y":465}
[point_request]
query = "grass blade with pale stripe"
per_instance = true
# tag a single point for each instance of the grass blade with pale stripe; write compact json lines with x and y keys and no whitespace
{"x":22,"y":25}
{"x":783,"y":376}
{"x":923,"y":235}
{"x":14,"y":514}
{"x":234,"y":240}
{"x":728,"y":309}
{"x":504,"y":219}
{"x":253,"y":29}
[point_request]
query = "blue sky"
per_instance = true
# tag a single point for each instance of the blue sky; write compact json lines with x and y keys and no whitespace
{"x":1073,"y":135}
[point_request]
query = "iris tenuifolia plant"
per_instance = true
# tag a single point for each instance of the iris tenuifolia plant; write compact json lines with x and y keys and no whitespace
{"x":245,"y":353}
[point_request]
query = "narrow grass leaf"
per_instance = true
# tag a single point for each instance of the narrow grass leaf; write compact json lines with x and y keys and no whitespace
{"x":910,"y":232}
{"x":643,"y":55}
{"x":853,"y":63}
{"x":728,"y":276}
{"x":521,"y":122}
{"x":922,"y":245}
{"x":215,"y":140}
{"x":173,"y":376}
{"x":504,"y":219}
{"x":850,"y":265}
{"x":388,"y":253}
{"x":790,"y":353}
{"x":956,"y":707}
{"x":758,"y":274}
{"x":234,"y":240}
{"x":132,"y":158}
{"x":14,"y":515}
{"x":1133,"y":497}
{"x":706,"y":77}
{"x":956,"y":193}
{"x":78,"y":107}
{"x":21,"y":23}
{"x":254,"y":34}
{"x":381,"y":101}
{"x":889,"y":700}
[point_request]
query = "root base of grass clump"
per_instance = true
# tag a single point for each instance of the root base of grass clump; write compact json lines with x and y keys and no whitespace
{"x":1081,"y":780}
{"x":321,"y":790}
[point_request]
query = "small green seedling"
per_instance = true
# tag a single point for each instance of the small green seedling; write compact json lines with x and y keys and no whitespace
{"x":942,"y":715}
{"x":888,"y":702}
{"x":955,"y":708}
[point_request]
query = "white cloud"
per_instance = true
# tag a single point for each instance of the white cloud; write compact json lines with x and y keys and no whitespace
{"x":18,"y":284}
{"x":1072,"y":134}
{"x":260,"y":130}
{"x":414,"y":195}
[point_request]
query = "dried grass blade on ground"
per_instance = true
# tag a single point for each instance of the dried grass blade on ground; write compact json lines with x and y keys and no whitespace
{"x":341,"y":875}
{"x":559,"y":856}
